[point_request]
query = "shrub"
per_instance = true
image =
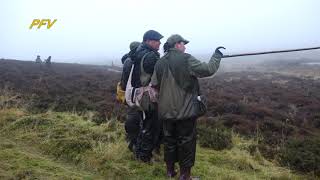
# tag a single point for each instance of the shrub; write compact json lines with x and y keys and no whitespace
{"x":37,"y":104}
{"x":32,"y":122}
{"x":70,"y":149}
{"x":99,"y":118}
{"x":9,"y":99}
{"x":302,"y":155}
{"x":215,"y":138}
{"x":316,"y":121}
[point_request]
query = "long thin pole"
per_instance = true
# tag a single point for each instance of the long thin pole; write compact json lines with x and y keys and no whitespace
{"x":269,"y":52}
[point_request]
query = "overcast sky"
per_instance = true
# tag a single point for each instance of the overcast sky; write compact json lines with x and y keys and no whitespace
{"x":103,"y":29}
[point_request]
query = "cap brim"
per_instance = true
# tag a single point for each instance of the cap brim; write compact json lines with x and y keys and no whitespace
{"x":158,"y":38}
{"x":185,"y":41}
{"x":154,"y":39}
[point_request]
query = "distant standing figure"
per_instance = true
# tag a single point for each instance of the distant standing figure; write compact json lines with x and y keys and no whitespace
{"x":48,"y":61}
{"x":38,"y":60}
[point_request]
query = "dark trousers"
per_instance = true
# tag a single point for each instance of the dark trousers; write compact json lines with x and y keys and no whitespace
{"x":149,"y":136}
{"x":180,"y":141}
{"x":132,"y":125}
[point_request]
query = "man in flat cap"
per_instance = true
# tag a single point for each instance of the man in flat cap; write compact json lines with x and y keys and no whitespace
{"x":144,"y":60}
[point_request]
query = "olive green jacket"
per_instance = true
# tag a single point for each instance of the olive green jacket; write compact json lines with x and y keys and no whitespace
{"x":175,"y":76}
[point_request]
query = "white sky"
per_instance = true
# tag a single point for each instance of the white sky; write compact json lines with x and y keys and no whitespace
{"x":103,"y":29}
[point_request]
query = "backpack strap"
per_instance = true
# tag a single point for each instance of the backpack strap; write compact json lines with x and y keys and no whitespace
{"x":129,"y":92}
{"x":142,"y":61}
{"x":143,"y":75}
{"x":130,"y":77}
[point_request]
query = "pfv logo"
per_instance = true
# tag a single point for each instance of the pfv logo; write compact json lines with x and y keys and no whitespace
{"x":42,"y":22}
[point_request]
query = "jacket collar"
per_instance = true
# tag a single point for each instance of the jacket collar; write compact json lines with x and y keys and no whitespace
{"x":148,"y":47}
{"x":175,"y":50}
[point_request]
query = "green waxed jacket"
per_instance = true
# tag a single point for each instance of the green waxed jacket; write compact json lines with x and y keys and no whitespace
{"x":176,"y":77}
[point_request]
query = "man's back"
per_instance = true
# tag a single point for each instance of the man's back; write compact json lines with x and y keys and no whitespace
{"x":126,"y":72}
{"x":150,"y":59}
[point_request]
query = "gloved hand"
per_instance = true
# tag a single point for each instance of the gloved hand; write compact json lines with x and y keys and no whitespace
{"x":218,"y":53}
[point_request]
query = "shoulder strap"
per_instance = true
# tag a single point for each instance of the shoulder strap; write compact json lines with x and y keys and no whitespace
{"x":142,"y":61}
{"x":144,"y":77}
{"x":129,"y":85}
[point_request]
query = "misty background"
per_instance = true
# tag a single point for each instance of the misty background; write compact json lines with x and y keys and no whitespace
{"x":99,"y":31}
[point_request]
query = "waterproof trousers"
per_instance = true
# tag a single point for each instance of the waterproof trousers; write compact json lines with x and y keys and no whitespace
{"x":180,"y":141}
{"x":149,"y":136}
{"x":132,"y":126}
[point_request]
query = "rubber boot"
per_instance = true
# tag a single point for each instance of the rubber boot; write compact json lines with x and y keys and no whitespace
{"x":185,"y":173}
{"x":170,"y":170}
{"x":132,"y":146}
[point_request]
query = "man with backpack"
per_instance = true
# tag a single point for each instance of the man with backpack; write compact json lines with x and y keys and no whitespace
{"x":144,"y":60}
{"x":134,"y":115}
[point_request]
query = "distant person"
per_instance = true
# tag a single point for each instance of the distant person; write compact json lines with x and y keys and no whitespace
{"x":175,"y":76}
{"x":144,"y":60}
{"x":38,"y":60}
{"x":48,"y":60}
{"x":134,"y":115}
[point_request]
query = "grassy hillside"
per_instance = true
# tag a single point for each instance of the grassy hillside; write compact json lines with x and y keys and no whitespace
{"x":251,"y":116}
{"x":55,"y":145}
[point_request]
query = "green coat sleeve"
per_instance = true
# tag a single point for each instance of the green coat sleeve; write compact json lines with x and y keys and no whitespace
{"x":203,"y":69}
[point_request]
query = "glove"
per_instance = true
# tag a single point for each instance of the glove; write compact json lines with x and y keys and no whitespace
{"x":218,"y":53}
